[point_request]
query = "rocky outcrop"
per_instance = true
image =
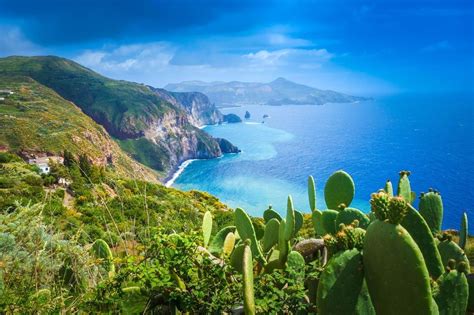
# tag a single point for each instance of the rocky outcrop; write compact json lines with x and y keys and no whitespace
{"x":201,"y":111}
{"x":226,"y":146}
{"x":232,"y":119}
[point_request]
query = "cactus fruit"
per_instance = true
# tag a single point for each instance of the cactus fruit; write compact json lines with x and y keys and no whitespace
{"x":296,"y":264}
{"x":404,"y":188}
{"x":348,"y":215}
{"x":311,"y":193}
{"x":299,"y":220}
{"x":229,"y":243}
{"x":389,"y":188}
{"x":316,"y":218}
{"x":270,"y":238}
{"x":379,"y":205}
{"x":347,"y":237}
{"x":463,"y":232}
{"x":339,"y":189}
{"x":247,"y":275}
{"x":395,"y":271}
{"x":102,"y":251}
{"x":431,"y":209}
{"x":328,"y":220}
{"x":341,"y":283}
{"x":450,"y":250}
{"x":247,"y":232}
{"x":207,"y":227}
{"x":271,"y":214}
{"x":421,"y":233}
{"x":217,"y":244}
{"x":452,"y":296}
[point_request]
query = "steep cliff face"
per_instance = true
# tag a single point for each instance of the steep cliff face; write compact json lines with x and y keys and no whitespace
{"x":156,"y":127}
{"x":201,"y":111}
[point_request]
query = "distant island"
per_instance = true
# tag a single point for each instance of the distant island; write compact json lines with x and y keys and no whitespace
{"x":278,"y":92}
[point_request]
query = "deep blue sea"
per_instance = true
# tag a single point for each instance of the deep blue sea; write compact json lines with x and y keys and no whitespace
{"x":432,"y":136}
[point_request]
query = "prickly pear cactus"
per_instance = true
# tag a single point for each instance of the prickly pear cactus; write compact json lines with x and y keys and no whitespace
{"x":270,"y":238}
{"x":346,"y":238}
{"x":341,"y":284}
{"x":247,"y":232}
{"x":470,"y":302}
{"x":133,"y":301}
{"x":236,"y":257}
{"x":290,"y":220}
{"x":421,"y":233}
{"x":229,"y":244}
{"x":271,"y":214}
{"x":101,"y":250}
{"x":328,"y":220}
{"x":311,"y":193}
{"x":389,"y":188}
{"x":339,"y":189}
{"x":316,"y":218}
{"x":299,"y":219}
{"x":395,"y":271}
{"x":431,"y":209}
{"x":217,"y":244}
{"x":207,"y":227}
{"x":463,"y":231}
{"x":283,"y":244}
{"x":453,"y":293}
{"x":450,"y":250}
{"x":247,"y":275}
{"x":348,"y":215}
{"x":404,"y":187}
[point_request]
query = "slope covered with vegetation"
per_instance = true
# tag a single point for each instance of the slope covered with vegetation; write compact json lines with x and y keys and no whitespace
{"x":35,"y":119}
{"x":123,"y":246}
{"x":127,"y":110}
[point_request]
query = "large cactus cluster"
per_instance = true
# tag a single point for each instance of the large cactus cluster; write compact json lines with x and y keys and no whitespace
{"x":394,"y":260}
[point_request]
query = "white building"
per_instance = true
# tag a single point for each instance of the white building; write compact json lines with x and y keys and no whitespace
{"x":43,"y":162}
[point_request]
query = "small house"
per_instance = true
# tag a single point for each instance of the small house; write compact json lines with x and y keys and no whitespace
{"x":43,"y":162}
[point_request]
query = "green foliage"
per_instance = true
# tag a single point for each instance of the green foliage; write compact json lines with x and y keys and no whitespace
{"x":339,"y":189}
{"x":431,"y":208}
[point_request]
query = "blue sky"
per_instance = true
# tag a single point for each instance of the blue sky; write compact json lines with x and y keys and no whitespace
{"x":362,"y":47}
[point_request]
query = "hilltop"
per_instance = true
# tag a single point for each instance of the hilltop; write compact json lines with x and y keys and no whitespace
{"x":157,"y":128}
{"x":278,"y":92}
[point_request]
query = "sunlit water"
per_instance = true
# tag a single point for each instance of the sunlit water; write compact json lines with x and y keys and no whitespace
{"x":431,"y":136}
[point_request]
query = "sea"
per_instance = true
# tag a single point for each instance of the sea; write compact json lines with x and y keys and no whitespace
{"x":430,"y":135}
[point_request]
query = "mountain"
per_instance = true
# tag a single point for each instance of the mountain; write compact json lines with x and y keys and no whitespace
{"x":157,"y":128}
{"x":277,"y":92}
{"x":35,"y":119}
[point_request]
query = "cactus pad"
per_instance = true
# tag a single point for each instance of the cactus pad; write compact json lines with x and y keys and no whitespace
{"x":247,"y":275}
{"x":207,"y":227}
{"x":217,"y":244}
{"x":339,"y":189}
{"x":450,"y":250}
{"x":395,"y":271}
{"x":311,"y":193}
{"x":404,"y":187}
{"x":328,"y":219}
{"x":270,"y":238}
{"x":388,"y":188}
{"x":431,"y":209}
{"x":247,"y":232}
{"x":452,"y":296}
{"x":316,"y":218}
{"x":271,"y":214}
{"x":463,"y":231}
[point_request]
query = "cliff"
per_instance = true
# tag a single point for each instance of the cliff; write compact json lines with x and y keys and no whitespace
{"x":157,"y":128}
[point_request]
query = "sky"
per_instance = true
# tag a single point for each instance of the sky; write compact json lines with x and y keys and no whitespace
{"x":358,"y":47}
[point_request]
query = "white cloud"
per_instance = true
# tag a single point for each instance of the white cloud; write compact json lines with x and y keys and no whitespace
{"x":304,"y":57}
{"x":13,"y":42}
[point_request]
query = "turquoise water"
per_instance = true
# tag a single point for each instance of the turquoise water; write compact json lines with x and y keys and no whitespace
{"x":431,"y":136}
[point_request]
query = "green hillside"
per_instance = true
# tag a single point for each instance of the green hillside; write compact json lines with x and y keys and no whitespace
{"x":36,"y":119}
{"x":120,"y":106}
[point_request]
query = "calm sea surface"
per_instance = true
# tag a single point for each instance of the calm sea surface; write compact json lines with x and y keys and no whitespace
{"x":432,"y":136}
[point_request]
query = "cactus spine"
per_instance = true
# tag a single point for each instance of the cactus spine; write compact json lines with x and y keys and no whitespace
{"x":247,"y":272}
{"x":339,"y":189}
{"x":431,"y":209}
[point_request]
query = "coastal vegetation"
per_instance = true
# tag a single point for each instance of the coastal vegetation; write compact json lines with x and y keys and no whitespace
{"x":107,"y":244}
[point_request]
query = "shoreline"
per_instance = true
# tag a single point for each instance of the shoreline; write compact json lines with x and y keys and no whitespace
{"x":168,"y":183}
